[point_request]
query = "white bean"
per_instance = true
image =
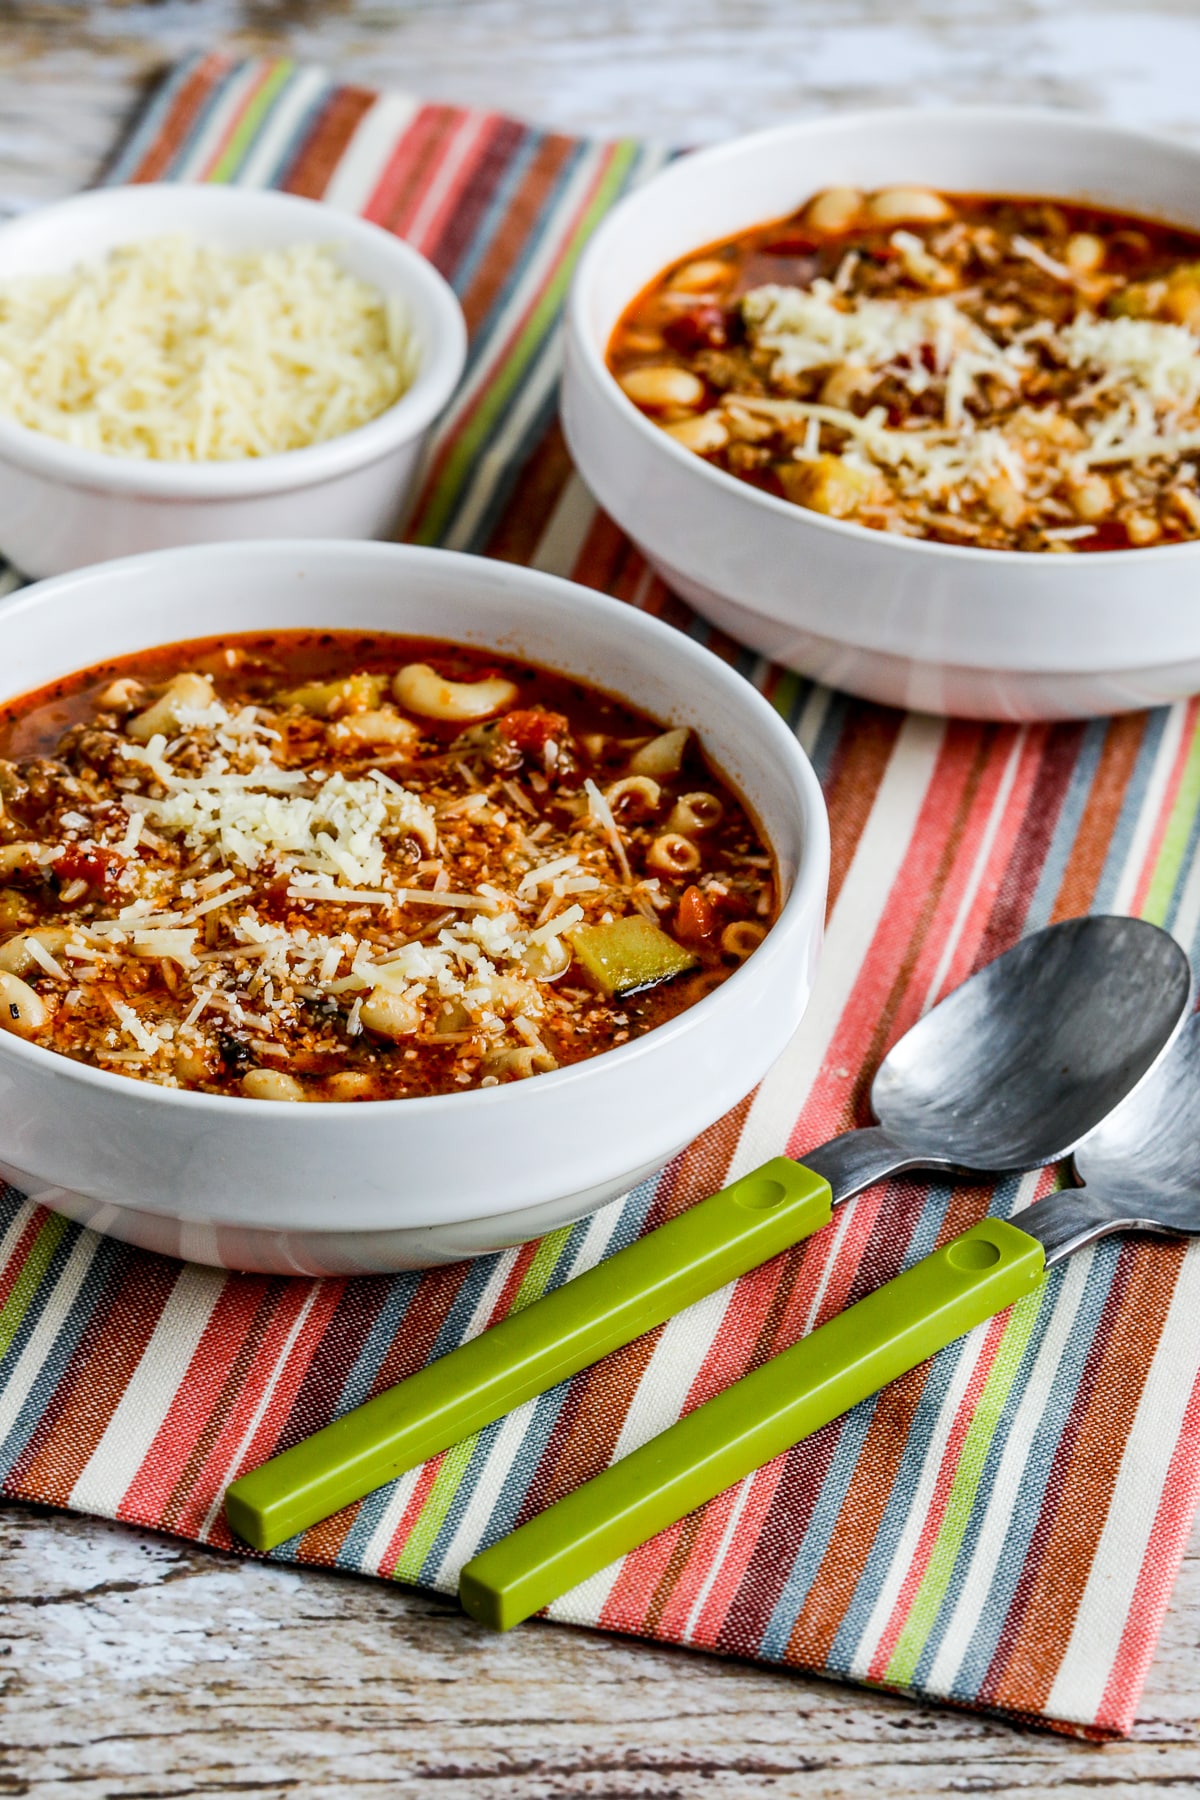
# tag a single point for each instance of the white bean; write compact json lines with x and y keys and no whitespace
{"x":662,"y":385}
{"x":1084,"y":253}
{"x":424,"y":691}
{"x":389,"y":1015}
{"x":349,"y":1084}
{"x":22,"y":1011}
{"x":642,"y":342}
{"x":1004,"y":501}
{"x":1092,"y":498}
{"x":704,"y":276}
{"x":271,"y":1084}
{"x":19,"y":859}
{"x":835,"y":210}
{"x":194,"y":1063}
{"x":891,"y":206}
{"x":703,"y":433}
{"x":17,"y":957}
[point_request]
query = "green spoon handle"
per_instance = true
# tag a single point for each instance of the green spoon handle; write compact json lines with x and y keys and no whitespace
{"x":752,"y":1421}
{"x":712,"y":1243}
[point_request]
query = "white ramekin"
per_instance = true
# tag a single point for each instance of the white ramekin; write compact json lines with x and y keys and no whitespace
{"x":988,"y":634}
{"x":401,"y":1183}
{"x":62,"y":507}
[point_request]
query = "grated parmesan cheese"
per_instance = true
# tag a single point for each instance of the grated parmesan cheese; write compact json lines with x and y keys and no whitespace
{"x":169,"y":945}
{"x":175,"y":351}
{"x":335,"y":832}
{"x":1148,"y":371}
{"x":555,"y":927}
{"x":147,"y":1041}
{"x":547,"y":874}
{"x":1162,"y":360}
{"x":42,"y":956}
{"x":601,"y":811}
{"x":815,"y":328}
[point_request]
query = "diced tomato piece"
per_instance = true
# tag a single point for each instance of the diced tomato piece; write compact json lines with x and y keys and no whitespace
{"x":1109,"y":534}
{"x":702,"y":327}
{"x":92,"y":866}
{"x":696,"y":918}
{"x":530,"y":731}
{"x":792,"y":243}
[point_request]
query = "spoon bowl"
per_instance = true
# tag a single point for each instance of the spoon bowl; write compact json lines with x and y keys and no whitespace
{"x":1151,"y":1144}
{"x":1140,"y":1167}
{"x":1016,"y":1066}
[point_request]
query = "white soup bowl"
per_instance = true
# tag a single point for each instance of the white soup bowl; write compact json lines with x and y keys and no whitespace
{"x":983,"y":633}
{"x":388,"y":1184}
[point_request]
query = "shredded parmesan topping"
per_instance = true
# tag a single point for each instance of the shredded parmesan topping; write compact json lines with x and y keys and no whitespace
{"x":811,"y":328}
{"x":1162,"y":361}
{"x":1146,"y":396}
{"x":178,"y":351}
{"x":337,"y":830}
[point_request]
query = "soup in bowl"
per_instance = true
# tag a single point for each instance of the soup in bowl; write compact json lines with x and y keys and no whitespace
{"x":1004,"y":374}
{"x":316,"y":866}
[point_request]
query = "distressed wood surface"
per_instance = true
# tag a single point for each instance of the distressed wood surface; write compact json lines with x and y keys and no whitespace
{"x":132,"y":1666}
{"x":683,"y":70}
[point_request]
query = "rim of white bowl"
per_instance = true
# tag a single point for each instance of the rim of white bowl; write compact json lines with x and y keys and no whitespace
{"x":848,"y":124}
{"x":437,"y":377}
{"x":812,"y":869}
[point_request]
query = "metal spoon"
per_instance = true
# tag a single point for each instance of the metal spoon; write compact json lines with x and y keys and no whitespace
{"x":1140,"y":1167}
{"x":1018,"y":1064}
{"x":1007,"y":1073}
{"x":1140,"y":1170}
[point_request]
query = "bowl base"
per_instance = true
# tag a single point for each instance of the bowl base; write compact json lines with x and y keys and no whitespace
{"x":947,"y":689}
{"x":259,"y":1250}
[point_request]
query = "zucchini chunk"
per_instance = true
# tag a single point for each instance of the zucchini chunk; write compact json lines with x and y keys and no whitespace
{"x":629,"y":954}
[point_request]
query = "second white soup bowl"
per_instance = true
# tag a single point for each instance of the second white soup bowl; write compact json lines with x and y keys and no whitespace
{"x":390,"y":1184}
{"x":985,"y":633}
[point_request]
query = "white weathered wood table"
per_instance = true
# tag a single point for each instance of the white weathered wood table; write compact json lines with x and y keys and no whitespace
{"x":134,"y":1667}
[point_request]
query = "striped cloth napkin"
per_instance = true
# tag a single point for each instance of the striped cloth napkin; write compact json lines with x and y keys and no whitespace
{"x":1000,"y":1528}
